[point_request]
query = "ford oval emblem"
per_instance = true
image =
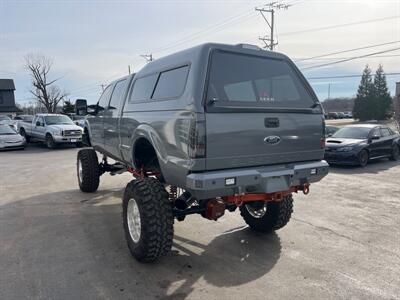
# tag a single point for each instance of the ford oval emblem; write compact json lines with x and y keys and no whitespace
{"x":272,"y":139}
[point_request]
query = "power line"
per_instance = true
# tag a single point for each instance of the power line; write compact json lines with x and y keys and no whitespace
{"x":351,"y":50}
{"x":296,"y":59}
{"x":347,"y":76}
{"x":339,"y":25}
{"x":349,"y":59}
{"x":213,"y":28}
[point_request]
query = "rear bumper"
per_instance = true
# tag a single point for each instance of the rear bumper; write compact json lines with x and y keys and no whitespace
{"x":255,"y":180}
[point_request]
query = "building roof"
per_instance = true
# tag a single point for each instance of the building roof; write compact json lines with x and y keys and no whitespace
{"x":7,"y":85}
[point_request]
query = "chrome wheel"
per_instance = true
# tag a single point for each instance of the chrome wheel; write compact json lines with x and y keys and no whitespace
{"x":79,"y":171}
{"x":133,"y":215}
{"x":257,"y":210}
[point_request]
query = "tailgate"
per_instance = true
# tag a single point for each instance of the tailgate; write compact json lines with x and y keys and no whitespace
{"x":242,"y":139}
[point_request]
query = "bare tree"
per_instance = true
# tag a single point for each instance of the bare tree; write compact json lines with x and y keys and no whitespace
{"x":45,"y":91}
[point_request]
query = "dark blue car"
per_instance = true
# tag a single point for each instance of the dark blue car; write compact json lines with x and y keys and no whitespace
{"x":357,"y":144}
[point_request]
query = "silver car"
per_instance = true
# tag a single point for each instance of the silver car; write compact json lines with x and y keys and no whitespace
{"x":10,"y":139}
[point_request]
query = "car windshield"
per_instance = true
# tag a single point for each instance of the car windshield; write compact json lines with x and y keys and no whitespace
{"x":352,"y":133}
{"x":6,"y":130}
{"x":4,"y":118}
{"x":52,"y":120}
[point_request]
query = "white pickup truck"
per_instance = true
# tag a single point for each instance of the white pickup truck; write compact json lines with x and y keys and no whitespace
{"x":52,"y":129}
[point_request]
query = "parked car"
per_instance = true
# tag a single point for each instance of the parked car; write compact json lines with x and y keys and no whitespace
{"x":333,"y":115}
{"x":10,"y":139}
{"x":357,"y":144}
{"x":341,"y":115}
{"x":52,"y":129}
{"x":330,"y":130}
{"x":26,"y":118}
{"x":6,"y":120}
{"x":228,"y":126}
{"x":348,"y":114}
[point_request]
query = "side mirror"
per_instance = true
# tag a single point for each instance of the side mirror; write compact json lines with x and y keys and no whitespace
{"x":81,"y":108}
{"x":38,"y":123}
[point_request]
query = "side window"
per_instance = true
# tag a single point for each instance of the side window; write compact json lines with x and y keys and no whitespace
{"x":105,"y":98}
{"x":117,"y":94}
{"x":376,"y":132}
{"x":143,"y":88}
{"x":385,"y":132}
{"x":40,"y":120}
{"x":171,"y":84}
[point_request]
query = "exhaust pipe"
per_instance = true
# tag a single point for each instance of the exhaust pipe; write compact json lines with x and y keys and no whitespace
{"x":184,"y":201}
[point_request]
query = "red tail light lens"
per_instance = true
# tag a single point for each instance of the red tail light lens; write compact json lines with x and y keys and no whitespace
{"x":322,"y":143}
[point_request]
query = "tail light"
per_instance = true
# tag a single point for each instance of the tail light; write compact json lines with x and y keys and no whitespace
{"x":197,"y":139}
{"x":322,"y":143}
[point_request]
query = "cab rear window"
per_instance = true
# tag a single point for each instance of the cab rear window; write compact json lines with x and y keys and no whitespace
{"x":254,"y":80}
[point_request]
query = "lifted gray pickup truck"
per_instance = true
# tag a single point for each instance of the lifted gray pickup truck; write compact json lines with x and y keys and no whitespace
{"x":205,"y":130}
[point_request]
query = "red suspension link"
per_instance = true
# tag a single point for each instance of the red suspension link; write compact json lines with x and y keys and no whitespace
{"x":238,"y":200}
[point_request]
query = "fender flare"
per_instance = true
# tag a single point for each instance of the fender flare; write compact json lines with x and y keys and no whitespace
{"x":147,"y":132}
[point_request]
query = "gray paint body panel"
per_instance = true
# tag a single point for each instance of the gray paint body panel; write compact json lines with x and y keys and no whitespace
{"x":235,"y":140}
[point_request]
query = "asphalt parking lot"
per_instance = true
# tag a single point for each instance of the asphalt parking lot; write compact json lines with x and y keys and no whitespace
{"x":343,"y":241}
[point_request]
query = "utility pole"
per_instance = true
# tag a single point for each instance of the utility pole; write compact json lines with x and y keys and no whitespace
{"x":148,"y":57}
{"x":269,"y":41}
{"x":329,"y":91}
{"x":129,"y":69}
{"x":102,"y":86}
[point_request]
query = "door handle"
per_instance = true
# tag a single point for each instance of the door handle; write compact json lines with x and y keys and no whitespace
{"x":110,"y":130}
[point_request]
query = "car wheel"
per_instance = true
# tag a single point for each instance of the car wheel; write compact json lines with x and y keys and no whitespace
{"x":395,"y":153}
{"x":50,"y":142}
{"x":88,"y":170}
{"x":147,"y":219}
{"x":363,"y":158}
{"x":23,"y":133}
{"x":267,"y":216}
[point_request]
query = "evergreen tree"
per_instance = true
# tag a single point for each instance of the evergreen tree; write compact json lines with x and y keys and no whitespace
{"x":68,"y":107}
{"x":364,"y":104}
{"x":382,"y":96}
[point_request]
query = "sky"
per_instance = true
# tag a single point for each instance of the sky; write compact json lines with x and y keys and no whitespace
{"x":92,"y":42}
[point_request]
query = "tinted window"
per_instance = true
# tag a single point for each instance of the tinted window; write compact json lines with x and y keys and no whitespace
{"x":376,"y":132}
{"x":240,"y":91}
{"x":258,"y":80}
{"x":171,"y":84}
{"x":40,"y":120}
{"x":143,"y":88}
{"x":105,"y":98}
{"x":385,"y":132}
{"x":117,"y":94}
